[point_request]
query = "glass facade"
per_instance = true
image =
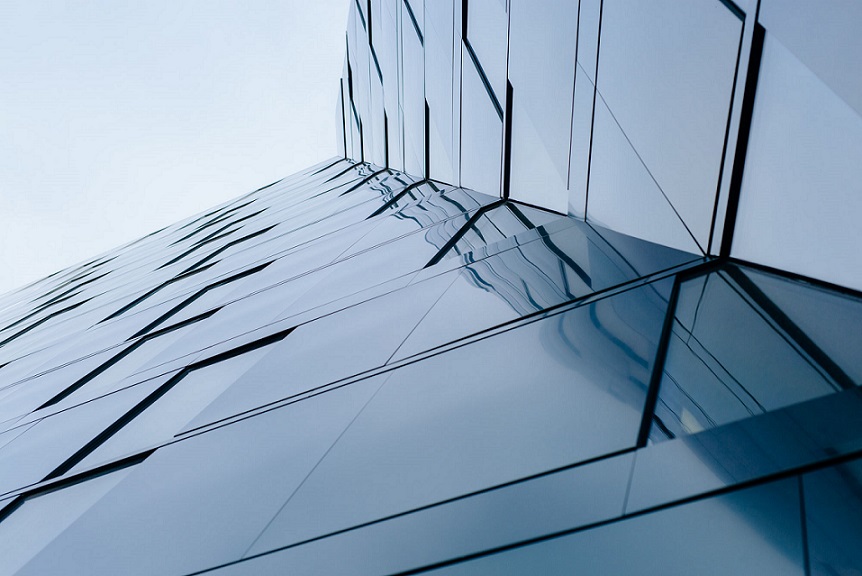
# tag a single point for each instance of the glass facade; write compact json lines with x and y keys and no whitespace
{"x":559,"y":307}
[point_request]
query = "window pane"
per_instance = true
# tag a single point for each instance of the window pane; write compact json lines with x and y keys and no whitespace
{"x":802,"y":186}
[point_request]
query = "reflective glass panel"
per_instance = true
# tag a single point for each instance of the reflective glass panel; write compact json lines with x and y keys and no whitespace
{"x":735,"y":352}
{"x":449,"y":425}
{"x":802,"y":186}
{"x":202,"y":502}
{"x":439,"y":86}
{"x":833,"y":513}
{"x":170,"y":413}
{"x":487,"y":26}
{"x":760,"y":525}
{"x":413,"y":105}
{"x":481,"y":133}
{"x":541,"y":70}
{"x":670,"y":97}
{"x":41,"y":518}
{"x":622,"y":194}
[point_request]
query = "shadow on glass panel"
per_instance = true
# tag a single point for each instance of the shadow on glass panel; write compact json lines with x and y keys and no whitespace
{"x":745,"y":342}
{"x":833,"y":517}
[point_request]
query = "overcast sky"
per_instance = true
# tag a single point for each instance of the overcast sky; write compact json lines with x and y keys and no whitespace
{"x":119,"y":117}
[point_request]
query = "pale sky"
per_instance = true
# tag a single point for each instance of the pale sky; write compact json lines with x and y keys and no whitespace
{"x":119,"y":117}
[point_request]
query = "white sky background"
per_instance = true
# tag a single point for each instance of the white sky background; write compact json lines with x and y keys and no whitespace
{"x":119,"y":117}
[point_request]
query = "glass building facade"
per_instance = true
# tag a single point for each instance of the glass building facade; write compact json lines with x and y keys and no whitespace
{"x":581,"y":295}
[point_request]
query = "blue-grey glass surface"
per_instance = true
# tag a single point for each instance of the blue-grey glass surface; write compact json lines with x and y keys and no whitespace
{"x":450,"y":530}
{"x":734,"y":352}
{"x":801,"y":179}
{"x":439,"y":88}
{"x":589,"y":20}
{"x":824,"y":37}
{"x":496,"y":225}
{"x":621,"y":190}
{"x":375,"y":266}
{"x":377,"y":124}
{"x":26,"y":396}
{"x":40,"y":519}
{"x":487,"y":32}
{"x":833,"y":517}
{"x":481,"y":133}
{"x":547,"y":271}
{"x":827,"y":317}
{"x":787,"y":439}
{"x":683,"y":77}
{"x":761,"y":526}
{"x":413,"y":106}
{"x":386,"y":46}
{"x":542,"y":72}
{"x":372,"y":386}
{"x":366,"y":336}
{"x":581,"y":135}
{"x":203,"y":501}
{"x":170,"y":413}
{"x":447,"y":426}
{"x":44,"y":446}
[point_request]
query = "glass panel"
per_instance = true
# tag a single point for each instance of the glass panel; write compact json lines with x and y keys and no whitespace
{"x":553,"y":269}
{"x":789,"y":438}
{"x":802,"y":187}
{"x":339,"y":126}
{"x":481,"y":133}
{"x":623,"y":196}
{"x":330,"y":349}
{"x":411,"y":223}
{"x":498,"y":224}
{"x":450,"y":425}
{"x":582,"y":136}
{"x":386,"y":47}
{"x":711,"y":379}
{"x":413,"y":106}
{"x":376,"y":122}
{"x":671,"y":96}
{"x":487,"y":520}
{"x":541,"y":70}
{"x":833,"y":513}
{"x":150,"y":353}
{"x":42,"y":448}
{"x":170,"y":413}
{"x":373,"y":267}
{"x":589,"y":16}
{"x":439,"y":63}
{"x":487,"y":27}
{"x":201,"y":502}
{"x":825,"y":38}
{"x":417,"y":9}
{"x":41,"y":518}
{"x":213,"y":296}
{"x":830,"y":319}
{"x":760,"y":525}
{"x":27,"y":396}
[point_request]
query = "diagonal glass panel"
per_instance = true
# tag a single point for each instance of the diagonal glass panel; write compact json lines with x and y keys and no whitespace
{"x":449,"y":425}
{"x":761,"y":525}
{"x":551,"y":268}
{"x":40,"y":519}
{"x":746,"y":342}
{"x":833,"y":517}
